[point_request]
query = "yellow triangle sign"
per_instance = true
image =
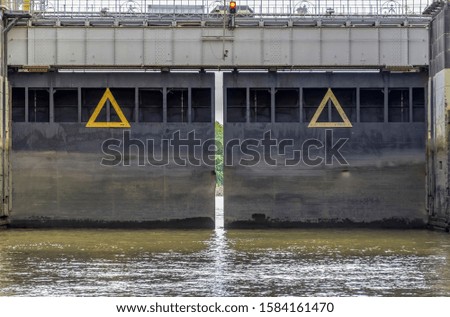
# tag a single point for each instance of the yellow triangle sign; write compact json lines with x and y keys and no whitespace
{"x":123,"y":121}
{"x":345,"y":121}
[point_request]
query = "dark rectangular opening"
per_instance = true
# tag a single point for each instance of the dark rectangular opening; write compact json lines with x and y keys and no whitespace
{"x":38,"y":105}
{"x":260,"y":105}
{"x":177,"y":105}
{"x":347,"y":99}
{"x":18,"y":104}
{"x":201,"y":104}
{"x":372,"y":105}
{"x":151,"y":105}
{"x":312,"y":98}
{"x":90,"y":97}
{"x":66,"y":105}
{"x":236,"y":105}
{"x":418,"y":105}
{"x":399,"y":105}
{"x":125,"y":98}
{"x":287,"y":106}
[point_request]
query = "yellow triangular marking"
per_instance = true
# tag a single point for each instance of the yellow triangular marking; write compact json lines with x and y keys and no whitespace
{"x":123,"y":121}
{"x":345,"y":121}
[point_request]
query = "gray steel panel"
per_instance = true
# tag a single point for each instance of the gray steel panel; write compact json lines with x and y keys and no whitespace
{"x":383,"y":185}
{"x":133,"y":52}
{"x":336,"y":46}
{"x":197,"y":47}
{"x":18,"y":46}
{"x":58,"y":178}
{"x":418,"y":46}
{"x":42,"y":48}
{"x":100,"y":48}
{"x":307,"y":46}
{"x":365,"y":46}
{"x":249,"y":41}
{"x":324,"y":80}
{"x":393,"y":45}
{"x":71,"y":45}
{"x":158,"y":46}
{"x":276,"y":46}
{"x":191,"y":51}
{"x":122,"y":80}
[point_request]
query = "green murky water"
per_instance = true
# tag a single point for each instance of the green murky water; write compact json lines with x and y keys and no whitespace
{"x":220,"y":263}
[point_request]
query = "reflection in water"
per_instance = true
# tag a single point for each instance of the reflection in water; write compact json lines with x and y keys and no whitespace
{"x":220,"y":252}
{"x":220,"y":263}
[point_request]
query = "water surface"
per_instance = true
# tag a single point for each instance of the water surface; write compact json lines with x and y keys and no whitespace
{"x":224,"y":263}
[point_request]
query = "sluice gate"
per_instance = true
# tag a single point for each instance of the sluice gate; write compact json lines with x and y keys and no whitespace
{"x":67,"y":174}
{"x":331,"y":118}
{"x":357,"y":160}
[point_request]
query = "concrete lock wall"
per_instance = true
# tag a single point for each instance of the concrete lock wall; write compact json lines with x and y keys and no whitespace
{"x":5,"y":137}
{"x":58,"y":176}
{"x":438,"y":125}
{"x":381,"y":181}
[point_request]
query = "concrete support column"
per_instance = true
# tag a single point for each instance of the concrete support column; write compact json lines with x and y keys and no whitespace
{"x":5,"y":128}
{"x":438,"y":153}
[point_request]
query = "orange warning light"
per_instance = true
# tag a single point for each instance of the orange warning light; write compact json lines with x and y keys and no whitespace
{"x":232,"y":7}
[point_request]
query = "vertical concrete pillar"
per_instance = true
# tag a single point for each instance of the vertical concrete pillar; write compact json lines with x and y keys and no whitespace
{"x":5,"y":128}
{"x":438,"y":153}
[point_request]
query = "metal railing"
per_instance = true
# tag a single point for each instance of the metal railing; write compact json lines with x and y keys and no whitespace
{"x":214,"y":8}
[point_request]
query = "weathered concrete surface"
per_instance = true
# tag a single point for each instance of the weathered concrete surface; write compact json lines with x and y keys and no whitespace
{"x":438,"y":150}
{"x":59,"y":179}
{"x":440,"y":41}
{"x":5,"y":136}
{"x":438,"y":123}
{"x":383,"y":184}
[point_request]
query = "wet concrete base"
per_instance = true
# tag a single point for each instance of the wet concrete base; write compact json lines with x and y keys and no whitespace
{"x":436,"y":223}
{"x":260,"y":222}
{"x":4,"y":222}
{"x":42,"y":223}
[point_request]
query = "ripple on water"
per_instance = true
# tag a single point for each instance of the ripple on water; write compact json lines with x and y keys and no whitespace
{"x":235,"y":263}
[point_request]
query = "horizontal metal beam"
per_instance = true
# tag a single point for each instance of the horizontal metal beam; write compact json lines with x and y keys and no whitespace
{"x":205,"y":8}
{"x":211,"y":47}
